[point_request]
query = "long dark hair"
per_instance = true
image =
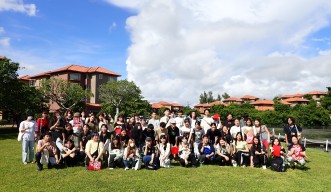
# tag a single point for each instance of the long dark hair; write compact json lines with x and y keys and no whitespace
{"x":256,"y":147}
{"x":118,"y":143}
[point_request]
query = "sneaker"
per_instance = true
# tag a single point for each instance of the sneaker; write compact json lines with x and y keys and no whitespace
{"x":234,"y":163}
{"x":264,"y":167}
{"x":126,"y":168}
{"x":40,"y":168}
{"x":25,"y":163}
{"x":150,"y":166}
{"x":111,"y":168}
{"x":132,"y":168}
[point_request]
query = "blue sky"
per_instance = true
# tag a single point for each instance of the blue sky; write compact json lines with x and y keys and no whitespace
{"x":89,"y":33}
{"x":174,"y":50}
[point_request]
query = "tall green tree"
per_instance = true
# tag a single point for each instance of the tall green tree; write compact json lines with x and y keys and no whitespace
{"x":118,"y":94}
{"x":66,"y":94}
{"x":15,"y":96}
{"x":225,"y":95}
{"x":219,"y":98}
{"x":203,"y":97}
{"x":326,"y":100}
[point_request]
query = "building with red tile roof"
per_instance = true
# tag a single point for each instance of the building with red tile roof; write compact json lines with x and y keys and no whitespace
{"x":263,"y":105}
{"x":249,"y":98}
{"x":294,"y":101}
{"x":164,"y":104}
{"x":233,"y":100}
{"x":88,"y":77}
{"x":317,"y":95}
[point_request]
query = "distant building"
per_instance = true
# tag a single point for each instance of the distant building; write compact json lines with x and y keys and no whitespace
{"x":233,"y":100}
{"x":263,"y":105}
{"x":87,"y":77}
{"x":249,"y":98}
{"x":163,"y":104}
{"x":317,"y":95}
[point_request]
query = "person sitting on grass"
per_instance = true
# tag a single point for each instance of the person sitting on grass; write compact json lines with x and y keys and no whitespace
{"x":240,"y":152}
{"x":258,"y":154}
{"x":222,"y":152}
{"x":93,"y":150}
{"x":149,"y":154}
{"x":185,"y":153}
{"x":115,"y":153}
{"x":296,"y":153}
{"x":47,"y":152}
{"x":278,"y":156}
{"x":164,"y":150}
{"x":131,"y":155}
{"x":69,"y":154}
{"x":206,"y":150}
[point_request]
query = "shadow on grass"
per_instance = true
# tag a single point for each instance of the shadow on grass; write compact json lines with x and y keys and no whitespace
{"x":5,"y":136}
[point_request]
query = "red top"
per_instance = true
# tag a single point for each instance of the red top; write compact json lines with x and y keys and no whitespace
{"x":276,"y":151}
{"x":42,"y":123}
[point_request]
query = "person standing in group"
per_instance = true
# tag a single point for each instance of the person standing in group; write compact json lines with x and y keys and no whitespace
{"x":179,"y":119}
{"x":213,"y":134}
{"x":77,"y":126}
{"x":291,"y":130}
{"x":165,"y":118}
{"x":42,"y":125}
{"x":248,"y":132}
{"x":57,"y":126}
{"x":262,"y":132}
{"x":206,"y":121}
{"x":119,"y":125}
{"x":136,"y":133}
{"x":235,"y":129}
{"x":143,"y":123}
{"x":228,"y":121}
{"x":186,"y":130}
{"x":28,"y":128}
{"x":92,"y":124}
{"x":162,"y":130}
{"x":217,"y":121}
{"x":193,"y":118}
{"x":243,"y":120}
{"x":104,"y":121}
{"x":153,"y":120}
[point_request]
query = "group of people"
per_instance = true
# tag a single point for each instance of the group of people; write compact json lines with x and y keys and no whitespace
{"x":74,"y":139}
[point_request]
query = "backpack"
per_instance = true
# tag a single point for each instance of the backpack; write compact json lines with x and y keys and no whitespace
{"x":278,"y":165}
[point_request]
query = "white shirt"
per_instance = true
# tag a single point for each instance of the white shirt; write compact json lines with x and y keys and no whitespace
{"x":29,"y":133}
{"x":179,"y":122}
{"x":154,"y":122}
{"x":205,"y":123}
{"x":234,"y":130}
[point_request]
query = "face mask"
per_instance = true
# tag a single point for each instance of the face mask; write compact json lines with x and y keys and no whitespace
{"x":131,"y":144}
{"x":30,"y":118}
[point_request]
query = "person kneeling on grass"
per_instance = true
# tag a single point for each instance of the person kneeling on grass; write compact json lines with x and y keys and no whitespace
{"x":258,"y":154}
{"x":278,"y":156}
{"x":131,"y":154}
{"x":240,"y":152}
{"x":149,"y":154}
{"x":115,"y":153}
{"x":164,"y":150}
{"x":185,"y":153}
{"x":93,"y":150}
{"x":69,"y":153}
{"x":206,"y":150}
{"x":222,"y":152}
{"x":296,"y":153}
{"x":46,"y":152}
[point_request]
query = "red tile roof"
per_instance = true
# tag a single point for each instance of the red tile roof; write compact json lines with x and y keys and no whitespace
{"x":216,"y":103}
{"x":263,"y":102}
{"x":78,"y":68}
{"x":202,"y":105}
{"x":176,"y":105}
{"x":317,"y":93}
{"x":2,"y":57}
{"x":293,"y":100}
{"x":249,"y":97}
{"x":25,"y":77}
{"x":156,"y":105}
{"x":233,"y":99}
{"x":285,"y":102}
{"x":291,"y":96}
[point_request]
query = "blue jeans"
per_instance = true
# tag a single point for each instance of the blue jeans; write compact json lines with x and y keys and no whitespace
{"x":147,"y":159}
{"x":127,"y":162}
{"x":27,"y":147}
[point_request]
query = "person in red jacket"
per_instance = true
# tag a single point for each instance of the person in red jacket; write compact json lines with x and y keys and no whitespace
{"x":42,"y":125}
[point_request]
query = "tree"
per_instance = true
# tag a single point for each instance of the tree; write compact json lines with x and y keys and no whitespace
{"x":219,"y":98}
{"x":203,"y":97}
{"x":326,"y":100}
{"x":119,"y":93}
{"x":15,"y":96}
{"x":66,"y":94}
{"x":308,"y":96}
{"x":225,"y":95}
{"x":210,"y":97}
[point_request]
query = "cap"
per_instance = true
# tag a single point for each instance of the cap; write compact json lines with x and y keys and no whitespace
{"x":172,"y":121}
{"x":76,"y":114}
{"x":148,"y":139}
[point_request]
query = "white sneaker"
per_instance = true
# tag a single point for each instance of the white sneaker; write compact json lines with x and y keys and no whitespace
{"x":264,"y":167}
{"x":110,"y":168}
{"x":126,"y":168}
{"x":234,"y":163}
{"x":133,"y":168}
{"x":25,"y":163}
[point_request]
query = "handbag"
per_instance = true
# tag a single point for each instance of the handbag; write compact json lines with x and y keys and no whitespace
{"x":174,"y":150}
{"x":94,"y":166}
{"x":20,"y":136}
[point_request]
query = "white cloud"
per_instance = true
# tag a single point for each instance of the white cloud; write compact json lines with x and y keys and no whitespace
{"x":18,"y":6}
{"x":2,"y":30}
{"x":181,"y":48}
{"x":5,"y":41}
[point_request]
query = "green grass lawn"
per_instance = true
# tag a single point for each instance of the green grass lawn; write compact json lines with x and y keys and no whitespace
{"x":18,"y":177}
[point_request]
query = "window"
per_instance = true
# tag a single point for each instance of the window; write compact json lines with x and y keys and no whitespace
{"x":111,"y":78}
{"x":74,"y":76}
{"x":100,"y":76}
{"x":32,"y":82}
